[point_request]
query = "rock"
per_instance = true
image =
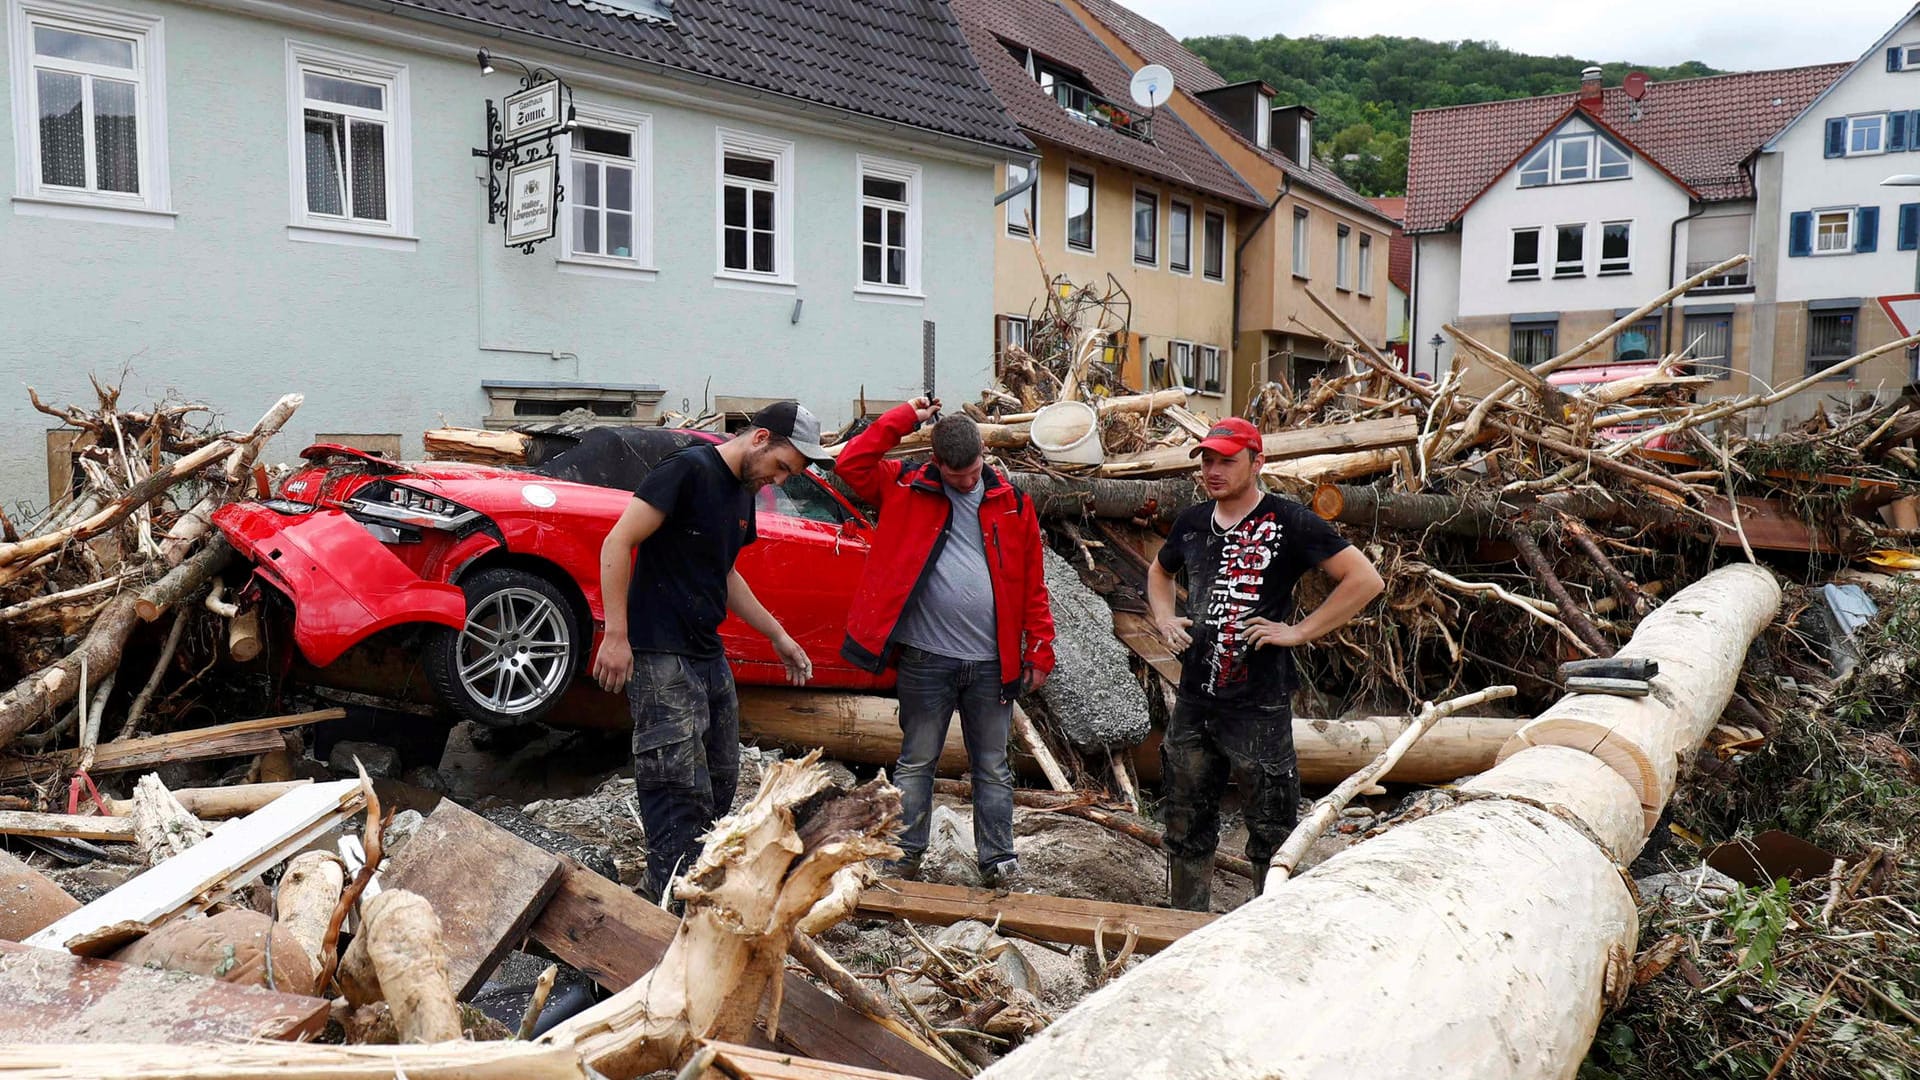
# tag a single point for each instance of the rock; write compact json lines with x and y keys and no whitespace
{"x":426,"y":778}
{"x":1703,"y":886}
{"x":381,"y":762}
{"x":399,"y":831}
{"x":608,"y":818}
{"x":89,"y":883}
{"x":979,"y":939}
{"x":1093,"y":696}
{"x":951,"y":858}
{"x":506,"y":996}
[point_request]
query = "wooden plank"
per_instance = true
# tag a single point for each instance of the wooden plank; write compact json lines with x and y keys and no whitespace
{"x":1138,"y":633}
{"x":614,"y":937}
{"x":1888,"y":488}
{"x":72,"y":826}
{"x":54,"y":996}
{"x":1770,"y":525}
{"x":479,"y":924}
{"x":731,"y":1061}
{"x":235,"y":854}
{"x":198,"y":744}
{"x":1051,"y":918}
{"x":1280,"y":446}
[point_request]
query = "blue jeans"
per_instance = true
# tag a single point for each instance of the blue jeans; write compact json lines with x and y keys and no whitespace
{"x":931,"y":688}
{"x":686,"y":755}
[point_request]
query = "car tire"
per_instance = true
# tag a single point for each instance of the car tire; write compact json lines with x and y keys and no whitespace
{"x":518,"y":653}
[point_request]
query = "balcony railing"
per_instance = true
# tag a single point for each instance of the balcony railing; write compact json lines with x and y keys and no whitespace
{"x":1735,"y":278}
{"x":1128,"y":120}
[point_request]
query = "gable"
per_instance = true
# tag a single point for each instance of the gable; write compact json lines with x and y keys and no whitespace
{"x":1879,"y":57}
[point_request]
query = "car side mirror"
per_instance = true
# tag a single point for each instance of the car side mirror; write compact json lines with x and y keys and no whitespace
{"x":849,"y":528}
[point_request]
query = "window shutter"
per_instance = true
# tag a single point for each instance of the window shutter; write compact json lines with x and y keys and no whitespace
{"x":1866,"y":229}
{"x":1800,"y":234}
{"x":1913,"y":130}
{"x":1909,"y":237}
{"x":1897,"y":131}
{"x":1837,"y":137}
{"x":1893,"y":59}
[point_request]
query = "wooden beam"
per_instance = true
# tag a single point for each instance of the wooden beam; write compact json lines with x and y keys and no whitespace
{"x":1770,"y":525}
{"x":479,"y":925}
{"x":219,"y":802}
{"x":54,"y":996}
{"x":71,"y":826}
{"x":731,"y":1061}
{"x":1280,"y":446}
{"x":234,"y":855}
{"x":1137,"y":632}
{"x":613,"y":937}
{"x":239,"y":739}
{"x":1060,"y":919}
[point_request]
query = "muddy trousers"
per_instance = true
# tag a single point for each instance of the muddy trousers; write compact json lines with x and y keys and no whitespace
{"x":1207,"y":744}
{"x":686,"y":755}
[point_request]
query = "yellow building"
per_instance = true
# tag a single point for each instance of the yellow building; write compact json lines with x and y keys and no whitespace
{"x":1126,"y":200}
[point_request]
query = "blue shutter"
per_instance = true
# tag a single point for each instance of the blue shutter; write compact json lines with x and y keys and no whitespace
{"x":1893,"y":59}
{"x":1909,"y":237}
{"x":1897,"y":131}
{"x":1800,"y":234}
{"x":1913,"y":130}
{"x":1837,"y":137}
{"x":1866,"y":229}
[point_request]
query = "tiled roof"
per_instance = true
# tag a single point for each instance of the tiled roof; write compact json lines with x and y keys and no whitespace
{"x":1192,"y":75}
{"x":1699,"y":130}
{"x":1400,"y":246}
{"x":1151,"y":40}
{"x":904,"y":61}
{"x":1175,"y":154}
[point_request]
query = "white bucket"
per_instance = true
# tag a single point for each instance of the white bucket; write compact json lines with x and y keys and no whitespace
{"x":1068,"y":432}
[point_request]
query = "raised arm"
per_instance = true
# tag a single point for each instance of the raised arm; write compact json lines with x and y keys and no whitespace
{"x":613,"y":664}
{"x":863,"y":465}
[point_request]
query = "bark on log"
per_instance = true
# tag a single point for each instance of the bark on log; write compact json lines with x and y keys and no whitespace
{"x":1700,"y":639}
{"x":1327,"y":439}
{"x":116,"y":511}
{"x":1352,"y":504}
{"x":399,"y":956}
{"x":184,"y":580}
{"x":1073,"y":498}
{"x":305,"y":900}
{"x":471,"y":444}
{"x":34,"y":699}
{"x":162,"y":828}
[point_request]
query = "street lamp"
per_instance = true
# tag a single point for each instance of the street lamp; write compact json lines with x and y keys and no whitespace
{"x":1436,"y":342}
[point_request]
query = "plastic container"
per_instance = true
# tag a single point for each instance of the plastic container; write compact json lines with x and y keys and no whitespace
{"x":1068,"y":432}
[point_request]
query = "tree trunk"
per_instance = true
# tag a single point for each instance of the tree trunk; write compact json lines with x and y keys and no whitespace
{"x":399,"y":956}
{"x":1486,"y":940}
{"x":1700,"y":639}
{"x":471,"y":444}
{"x":1352,"y":504}
{"x":1074,"y":498}
{"x":309,"y":890}
{"x":184,"y":580}
{"x":35,"y":698}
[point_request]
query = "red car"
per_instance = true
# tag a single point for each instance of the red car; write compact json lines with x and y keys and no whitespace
{"x":500,"y":568}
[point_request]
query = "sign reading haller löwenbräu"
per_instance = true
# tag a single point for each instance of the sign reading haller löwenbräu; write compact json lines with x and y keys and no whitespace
{"x":531,"y":200}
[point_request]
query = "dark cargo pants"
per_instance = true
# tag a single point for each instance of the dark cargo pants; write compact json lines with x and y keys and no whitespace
{"x":1205,"y":744}
{"x":686,"y":755}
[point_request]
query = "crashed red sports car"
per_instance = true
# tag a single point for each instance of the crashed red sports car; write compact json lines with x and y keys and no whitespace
{"x":499,"y":568}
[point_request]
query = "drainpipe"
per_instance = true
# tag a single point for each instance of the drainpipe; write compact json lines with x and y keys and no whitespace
{"x":1286,"y":185}
{"x":1673,"y":249}
{"x":1014,"y":192}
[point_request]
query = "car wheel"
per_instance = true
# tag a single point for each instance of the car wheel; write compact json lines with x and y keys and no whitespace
{"x":516,"y":655}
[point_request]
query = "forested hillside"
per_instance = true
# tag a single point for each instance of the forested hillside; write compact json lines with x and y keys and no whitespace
{"x":1366,"y":88}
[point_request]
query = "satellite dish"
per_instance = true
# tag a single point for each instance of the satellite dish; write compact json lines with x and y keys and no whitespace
{"x":1635,"y":85}
{"x":1152,"y":86}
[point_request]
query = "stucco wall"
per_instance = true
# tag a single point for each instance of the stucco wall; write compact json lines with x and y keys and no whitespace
{"x":225,"y":308}
{"x":1436,"y":295}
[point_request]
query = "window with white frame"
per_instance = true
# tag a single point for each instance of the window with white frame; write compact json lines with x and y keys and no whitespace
{"x":1180,"y":237}
{"x":756,"y":206}
{"x":1023,"y":211}
{"x":1575,"y":158}
{"x":610,"y":188}
{"x":1366,"y":264}
{"x":1866,"y":134}
{"x":1299,"y":242}
{"x":1181,"y":353}
{"x":1570,"y":251}
{"x":1213,"y":246}
{"x":1526,"y":255}
{"x":889,"y":225}
{"x":1146,"y":227}
{"x":1079,"y":210}
{"x":1616,"y":247}
{"x":1209,"y":369}
{"x":1343,"y":258}
{"x":1833,"y":231}
{"x":349,"y":141}
{"x":1905,"y":58}
{"x":89,"y":88}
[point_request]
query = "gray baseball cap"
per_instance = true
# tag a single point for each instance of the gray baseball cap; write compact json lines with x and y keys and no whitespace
{"x":791,"y":420}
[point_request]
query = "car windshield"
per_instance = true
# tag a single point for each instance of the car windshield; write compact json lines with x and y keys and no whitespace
{"x":802,"y":496}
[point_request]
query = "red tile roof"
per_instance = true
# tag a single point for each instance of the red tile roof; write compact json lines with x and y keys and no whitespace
{"x":1175,"y":154}
{"x":1699,"y":130}
{"x":1399,"y":246}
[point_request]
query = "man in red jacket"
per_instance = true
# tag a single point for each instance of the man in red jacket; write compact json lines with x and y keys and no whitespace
{"x":955,"y":596}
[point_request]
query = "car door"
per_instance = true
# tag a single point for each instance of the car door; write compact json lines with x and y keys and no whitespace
{"x":805,"y":568}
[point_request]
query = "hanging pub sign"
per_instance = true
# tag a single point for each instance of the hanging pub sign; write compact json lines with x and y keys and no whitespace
{"x":533,"y":189}
{"x":533,"y":113}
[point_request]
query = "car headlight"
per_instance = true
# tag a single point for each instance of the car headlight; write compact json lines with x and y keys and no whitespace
{"x":396,"y":504}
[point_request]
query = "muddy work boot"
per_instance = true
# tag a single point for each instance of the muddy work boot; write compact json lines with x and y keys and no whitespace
{"x":1006,"y":877}
{"x":906,"y":867}
{"x":1190,"y":883}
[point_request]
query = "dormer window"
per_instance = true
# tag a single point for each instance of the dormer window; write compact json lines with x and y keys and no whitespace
{"x":1575,"y":158}
{"x":1073,"y":92}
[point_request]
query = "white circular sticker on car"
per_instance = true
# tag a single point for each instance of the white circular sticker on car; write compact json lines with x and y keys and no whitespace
{"x":539,"y":495}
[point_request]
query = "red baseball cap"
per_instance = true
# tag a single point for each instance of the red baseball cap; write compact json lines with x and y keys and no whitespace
{"x":1230,"y":436}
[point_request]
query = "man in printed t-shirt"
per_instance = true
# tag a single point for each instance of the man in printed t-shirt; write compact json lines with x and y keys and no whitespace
{"x":1242,"y":553}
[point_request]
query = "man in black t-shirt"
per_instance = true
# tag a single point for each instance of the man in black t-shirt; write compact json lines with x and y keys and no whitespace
{"x":689,"y":519}
{"x":1242,"y":552}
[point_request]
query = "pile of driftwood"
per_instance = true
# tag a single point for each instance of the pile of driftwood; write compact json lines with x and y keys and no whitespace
{"x":128,"y":543}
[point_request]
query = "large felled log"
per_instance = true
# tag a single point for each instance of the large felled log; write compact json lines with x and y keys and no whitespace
{"x":470,"y":444}
{"x":1305,"y":442}
{"x":762,"y":871}
{"x":399,"y":956}
{"x":1700,"y":640}
{"x":34,"y":699}
{"x":849,"y":727}
{"x":183,"y":580}
{"x":1373,"y":507}
{"x":1074,"y":497}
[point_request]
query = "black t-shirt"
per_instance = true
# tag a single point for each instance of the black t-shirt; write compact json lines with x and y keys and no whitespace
{"x":679,"y":592}
{"x":1248,"y":572}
